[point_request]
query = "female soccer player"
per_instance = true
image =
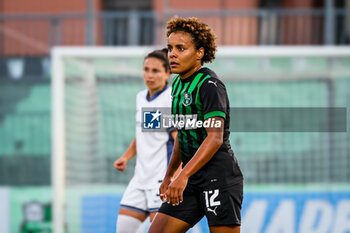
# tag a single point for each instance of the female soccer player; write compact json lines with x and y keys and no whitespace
{"x":210,"y":183}
{"x":141,"y":197}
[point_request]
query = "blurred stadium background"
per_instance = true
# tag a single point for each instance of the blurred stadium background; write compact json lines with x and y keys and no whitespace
{"x":273,"y":53}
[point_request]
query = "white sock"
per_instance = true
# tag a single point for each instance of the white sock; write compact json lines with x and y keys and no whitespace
{"x":127,"y":224}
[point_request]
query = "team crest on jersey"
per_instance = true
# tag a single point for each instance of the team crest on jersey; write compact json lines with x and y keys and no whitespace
{"x":187,"y":99}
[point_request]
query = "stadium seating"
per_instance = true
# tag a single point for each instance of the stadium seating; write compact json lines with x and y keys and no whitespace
{"x":270,"y":157}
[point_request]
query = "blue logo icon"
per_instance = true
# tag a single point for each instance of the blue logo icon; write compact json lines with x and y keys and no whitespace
{"x":151,"y":119}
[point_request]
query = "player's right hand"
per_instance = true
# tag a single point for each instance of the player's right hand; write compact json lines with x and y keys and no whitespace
{"x":120,"y":164}
{"x":163,"y":188}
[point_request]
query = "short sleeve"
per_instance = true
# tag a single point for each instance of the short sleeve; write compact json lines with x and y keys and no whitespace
{"x":214,"y":98}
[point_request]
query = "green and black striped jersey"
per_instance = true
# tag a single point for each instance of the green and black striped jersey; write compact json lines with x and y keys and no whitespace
{"x":199,"y":97}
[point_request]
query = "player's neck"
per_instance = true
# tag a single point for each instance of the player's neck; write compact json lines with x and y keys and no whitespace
{"x":151,"y":92}
{"x":191,"y":71}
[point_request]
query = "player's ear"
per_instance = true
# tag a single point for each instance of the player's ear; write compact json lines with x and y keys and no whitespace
{"x":200,"y":53}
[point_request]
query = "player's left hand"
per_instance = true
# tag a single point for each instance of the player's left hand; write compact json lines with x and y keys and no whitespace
{"x":175,"y":190}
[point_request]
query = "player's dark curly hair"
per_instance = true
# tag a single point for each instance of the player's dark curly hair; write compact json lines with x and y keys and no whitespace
{"x":161,"y":54}
{"x":202,"y":34}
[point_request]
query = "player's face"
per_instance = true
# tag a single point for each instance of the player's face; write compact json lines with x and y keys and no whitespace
{"x":154,"y":74}
{"x":184,"y":58}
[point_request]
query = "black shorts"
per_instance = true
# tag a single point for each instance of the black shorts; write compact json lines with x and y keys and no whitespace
{"x":221,"y":205}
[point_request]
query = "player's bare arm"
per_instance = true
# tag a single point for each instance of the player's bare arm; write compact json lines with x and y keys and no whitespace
{"x":204,"y":153}
{"x":174,"y":136}
{"x":120,"y":164}
{"x":172,"y":170}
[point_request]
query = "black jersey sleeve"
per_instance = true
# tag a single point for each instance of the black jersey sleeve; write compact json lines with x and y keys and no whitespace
{"x":214,"y":98}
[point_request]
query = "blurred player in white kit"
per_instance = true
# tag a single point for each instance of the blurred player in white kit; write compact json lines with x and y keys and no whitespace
{"x":153,"y":149}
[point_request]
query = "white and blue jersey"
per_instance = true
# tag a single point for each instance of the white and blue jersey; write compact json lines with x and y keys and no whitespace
{"x":153,"y":154}
{"x":153,"y":148}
